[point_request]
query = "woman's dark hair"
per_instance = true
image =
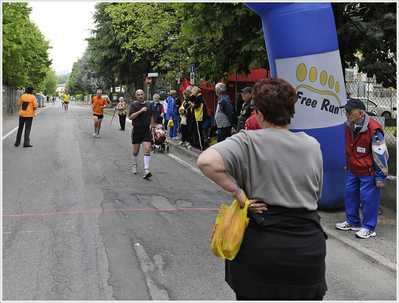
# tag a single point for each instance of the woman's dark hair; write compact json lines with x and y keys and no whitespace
{"x":275,"y":98}
{"x":29,"y":90}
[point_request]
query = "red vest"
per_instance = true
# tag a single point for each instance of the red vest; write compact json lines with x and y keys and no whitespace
{"x":358,"y":152}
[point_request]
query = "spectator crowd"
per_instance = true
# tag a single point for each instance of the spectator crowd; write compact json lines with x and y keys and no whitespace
{"x":195,"y":125}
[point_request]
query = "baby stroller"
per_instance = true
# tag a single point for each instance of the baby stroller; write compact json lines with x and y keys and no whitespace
{"x":159,"y":139}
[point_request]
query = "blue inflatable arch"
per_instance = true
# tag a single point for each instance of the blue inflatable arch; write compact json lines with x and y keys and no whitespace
{"x":302,"y":48}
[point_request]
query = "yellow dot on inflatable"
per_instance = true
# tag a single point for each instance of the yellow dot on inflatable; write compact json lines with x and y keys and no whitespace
{"x":323,"y":77}
{"x":313,"y":74}
{"x":337,"y":87}
{"x":301,"y":72}
{"x":331,"y":82}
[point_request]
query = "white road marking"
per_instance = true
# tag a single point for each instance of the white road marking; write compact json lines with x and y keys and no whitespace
{"x":16,"y":128}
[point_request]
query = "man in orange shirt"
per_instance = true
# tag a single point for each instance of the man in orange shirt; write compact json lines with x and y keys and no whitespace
{"x":98,"y":104}
{"x":28,"y":105}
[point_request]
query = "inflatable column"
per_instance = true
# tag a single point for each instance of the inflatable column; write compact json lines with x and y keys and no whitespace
{"x":302,"y":48}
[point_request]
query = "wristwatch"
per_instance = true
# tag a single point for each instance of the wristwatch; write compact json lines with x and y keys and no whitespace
{"x":236,"y":191}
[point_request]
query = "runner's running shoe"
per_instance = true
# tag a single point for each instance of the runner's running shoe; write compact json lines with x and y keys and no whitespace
{"x":134,"y":169}
{"x":147,"y":174}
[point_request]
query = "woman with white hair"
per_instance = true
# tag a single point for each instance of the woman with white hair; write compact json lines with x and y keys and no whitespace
{"x":122,"y":112}
{"x":225,"y":116}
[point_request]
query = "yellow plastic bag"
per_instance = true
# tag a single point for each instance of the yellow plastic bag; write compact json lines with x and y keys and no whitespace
{"x":229,"y":229}
{"x":170,"y":123}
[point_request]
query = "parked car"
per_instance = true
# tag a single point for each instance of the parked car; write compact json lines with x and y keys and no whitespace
{"x":163,"y":94}
{"x":374,"y":109}
{"x":106,"y":98}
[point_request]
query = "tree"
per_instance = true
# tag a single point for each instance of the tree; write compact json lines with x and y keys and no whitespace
{"x":63,"y":79}
{"x":132,"y":39}
{"x":228,"y":38}
{"x":25,"y":50}
{"x":367,"y":38}
{"x":151,"y":43}
{"x":50,"y":83}
{"x":73,"y":86}
{"x":86,"y":75}
{"x":180,"y":34}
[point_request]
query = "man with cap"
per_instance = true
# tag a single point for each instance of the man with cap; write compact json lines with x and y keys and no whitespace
{"x":367,"y":167}
{"x":247,"y":108}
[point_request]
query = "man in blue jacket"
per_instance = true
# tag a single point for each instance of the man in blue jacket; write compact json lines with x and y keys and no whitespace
{"x":367,"y":167}
{"x":225,"y":116}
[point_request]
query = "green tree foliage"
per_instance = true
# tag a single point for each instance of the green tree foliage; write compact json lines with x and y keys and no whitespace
{"x":134,"y":38}
{"x":25,"y":56}
{"x":50,"y":83}
{"x":150,"y":36}
{"x":63,"y":79}
{"x":228,"y":38}
{"x":84,"y":76}
{"x":104,"y":47}
{"x":368,"y":29}
{"x":73,"y":84}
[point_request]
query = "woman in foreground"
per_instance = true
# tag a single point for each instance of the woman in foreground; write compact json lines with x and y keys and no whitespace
{"x":282,"y":256}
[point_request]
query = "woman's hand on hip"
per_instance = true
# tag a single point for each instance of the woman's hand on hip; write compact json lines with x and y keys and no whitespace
{"x":254,"y":206}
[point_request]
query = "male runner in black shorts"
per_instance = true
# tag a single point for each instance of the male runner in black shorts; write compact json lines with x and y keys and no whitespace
{"x":140,"y":113}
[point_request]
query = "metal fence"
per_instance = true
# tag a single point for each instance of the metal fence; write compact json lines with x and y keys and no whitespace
{"x":11,"y":97}
{"x":381,"y":105}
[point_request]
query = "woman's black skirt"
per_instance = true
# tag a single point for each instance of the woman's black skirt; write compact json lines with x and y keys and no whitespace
{"x":282,"y":256}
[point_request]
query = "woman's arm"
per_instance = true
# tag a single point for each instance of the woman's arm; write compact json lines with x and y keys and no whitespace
{"x":211,"y":163}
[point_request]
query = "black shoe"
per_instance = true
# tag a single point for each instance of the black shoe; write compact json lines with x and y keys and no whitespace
{"x":16,"y":144}
{"x":28,"y":145}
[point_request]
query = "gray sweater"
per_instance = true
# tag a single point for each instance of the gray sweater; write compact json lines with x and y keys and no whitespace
{"x":278,"y":167}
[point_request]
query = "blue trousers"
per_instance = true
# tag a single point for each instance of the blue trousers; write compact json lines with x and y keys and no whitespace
{"x":173,"y":130}
{"x":362,"y":190}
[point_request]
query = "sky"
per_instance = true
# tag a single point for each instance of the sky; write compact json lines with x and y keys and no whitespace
{"x":66,"y":24}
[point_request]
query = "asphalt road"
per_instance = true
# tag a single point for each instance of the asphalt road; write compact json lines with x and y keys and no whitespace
{"x":78,"y":225}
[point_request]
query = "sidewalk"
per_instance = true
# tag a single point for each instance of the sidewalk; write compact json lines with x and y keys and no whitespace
{"x":380,"y":249}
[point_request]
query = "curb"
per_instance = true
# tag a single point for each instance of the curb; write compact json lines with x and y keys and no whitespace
{"x":193,"y":156}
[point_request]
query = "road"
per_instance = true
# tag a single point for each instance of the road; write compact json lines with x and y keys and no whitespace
{"x":78,"y":225}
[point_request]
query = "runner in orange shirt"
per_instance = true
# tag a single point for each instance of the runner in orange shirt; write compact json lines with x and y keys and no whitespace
{"x":98,"y":104}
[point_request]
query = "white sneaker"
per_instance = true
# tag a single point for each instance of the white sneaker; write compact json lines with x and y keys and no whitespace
{"x":346,"y":226}
{"x":95,"y":134}
{"x":147,"y":174}
{"x":98,"y":135}
{"x":134,"y":169}
{"x":365,"y":233}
